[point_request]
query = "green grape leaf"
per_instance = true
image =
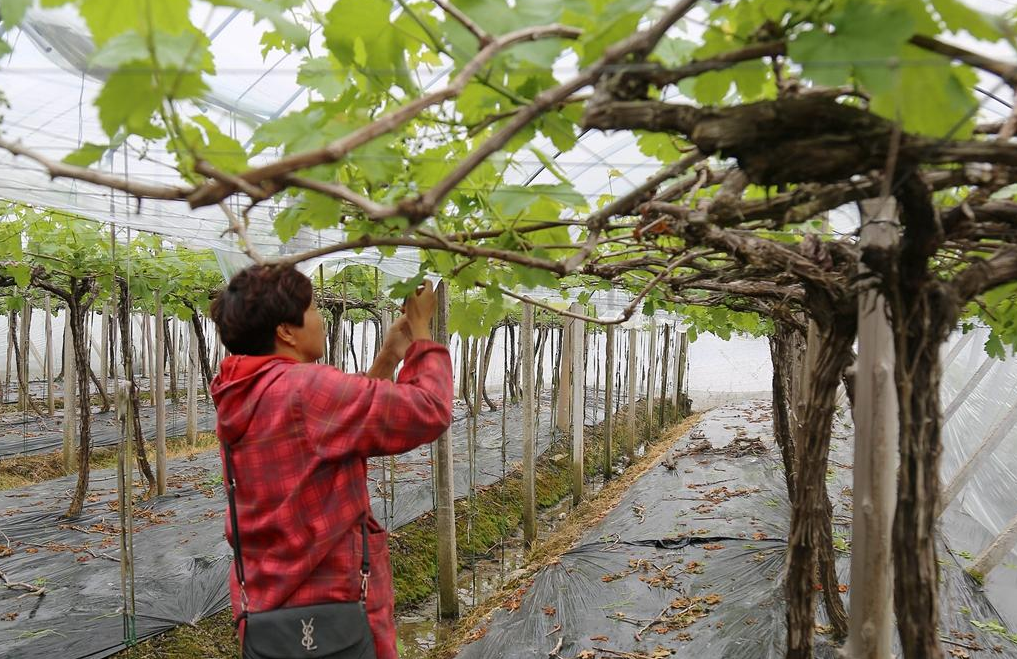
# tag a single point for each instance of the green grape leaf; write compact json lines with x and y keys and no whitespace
{"x":931,"y":100}
{"x":88,"y":154}
{"x":323,"y":75}
{"x":273,"y":13}
{"x":958,"y":16}
{"x":13,"y":11}
{"x":349,"y":23}
{"x":108,"y":18}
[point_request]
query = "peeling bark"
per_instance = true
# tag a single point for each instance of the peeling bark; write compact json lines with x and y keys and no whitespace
{"x":810,"y":542}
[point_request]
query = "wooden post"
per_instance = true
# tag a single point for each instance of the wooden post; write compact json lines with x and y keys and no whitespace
{"x":172,"y":342}
{"x":630,"y":439}
{"x":665,"y":353}
{"x":159,"y":397}
{"x":448,"y":598}
{"x":870,"y":626}
{"x":529,"y":436}
{"x":10,"y":351}
{"x":996,"y":435}
{"x":193,"y":375}
{"x":651,"y":379}
{"x":104,"y":351}
{"x":563,"y":415}
{"x":968,"y":388}
{"x":578,"y":387}
{"x":994,"y":554}
{"x":608,"y":401}
{"x":70,"y":406}
{"x":683,"y":360}
{"x":50,"y":394}
{"x":25,"y":339}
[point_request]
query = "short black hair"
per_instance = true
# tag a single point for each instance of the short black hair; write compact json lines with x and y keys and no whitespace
{"x":255,"y":302}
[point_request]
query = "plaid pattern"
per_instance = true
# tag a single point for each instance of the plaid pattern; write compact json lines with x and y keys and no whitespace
{"x":301,"y":435}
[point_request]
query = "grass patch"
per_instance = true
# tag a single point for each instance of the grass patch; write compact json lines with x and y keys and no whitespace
{"x":24,"y":470}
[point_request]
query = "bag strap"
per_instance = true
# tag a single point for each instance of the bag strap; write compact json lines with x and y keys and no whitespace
{"x":238,"y":561}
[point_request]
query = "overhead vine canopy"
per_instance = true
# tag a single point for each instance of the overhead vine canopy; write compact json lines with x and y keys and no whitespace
{"x":446,"y":127}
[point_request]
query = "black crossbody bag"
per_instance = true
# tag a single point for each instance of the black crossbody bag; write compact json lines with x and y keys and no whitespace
{"x":334,"y":630}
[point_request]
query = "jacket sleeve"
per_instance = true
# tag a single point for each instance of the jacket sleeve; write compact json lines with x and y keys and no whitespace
{"x":353,"y":415}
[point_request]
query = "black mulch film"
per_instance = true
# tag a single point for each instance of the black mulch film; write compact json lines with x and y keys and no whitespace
{"x":182,"y":560}
{"x":691,"y":563}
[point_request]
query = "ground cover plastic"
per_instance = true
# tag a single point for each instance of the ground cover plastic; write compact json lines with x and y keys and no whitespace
{"x":691,"y":562}
{"x":182,"y":559}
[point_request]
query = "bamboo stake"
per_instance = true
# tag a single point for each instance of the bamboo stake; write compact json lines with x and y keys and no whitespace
{"x":159,"y":397}
{"x":448,"y":598}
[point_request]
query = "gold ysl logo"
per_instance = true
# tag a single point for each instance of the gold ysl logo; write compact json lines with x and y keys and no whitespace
{"x":308,"y":640}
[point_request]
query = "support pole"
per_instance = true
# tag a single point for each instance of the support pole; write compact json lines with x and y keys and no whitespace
{"x":448,"y":598}
{"x":630,"y":438}
{"x":969,"y":388}
{"x":956,"y":349}
{"x":104,"y":351}
{"x":665,"y":353}
{"x":159,"y":397}
{"x":577,"y":383}
{"x":193,"y":375}
{"x":25,"y":340}
{"x":994,"y":554}
{"x":608,"y":401}
{"x":870,"y":626}
{"x":683,"y":371}
{"x":50,"y":394}
{"x":70,"y":405}
{"x":563,"y":415}
{"x":996,"y":435}
{"x":651,"y":380}
{"x":529,"y":437}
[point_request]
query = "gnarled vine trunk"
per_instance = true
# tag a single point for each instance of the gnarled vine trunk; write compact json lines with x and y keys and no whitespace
{"x":810,"y":545}
{"x":785,"y":342}
{"x":133,"y":398}
{"x":76,"y":314}
{"x":922,"y":322}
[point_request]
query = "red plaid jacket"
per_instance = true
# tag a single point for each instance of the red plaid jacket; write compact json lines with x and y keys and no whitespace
{"x":300,"y":436}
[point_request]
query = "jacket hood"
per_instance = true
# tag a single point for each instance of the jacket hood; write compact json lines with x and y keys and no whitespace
{"x":239,"y":385}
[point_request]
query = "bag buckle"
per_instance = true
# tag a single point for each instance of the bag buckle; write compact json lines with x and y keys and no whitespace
{"x":243,"y":598}
{"x":363,"y":585}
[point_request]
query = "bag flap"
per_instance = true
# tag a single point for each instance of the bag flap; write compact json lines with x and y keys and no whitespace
{"x":320,"y":631}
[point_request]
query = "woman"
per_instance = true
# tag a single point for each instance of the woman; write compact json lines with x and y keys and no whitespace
{"x":300,"y":434}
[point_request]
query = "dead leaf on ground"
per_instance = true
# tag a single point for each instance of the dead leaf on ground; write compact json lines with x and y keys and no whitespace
{"x":550,"y":610}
